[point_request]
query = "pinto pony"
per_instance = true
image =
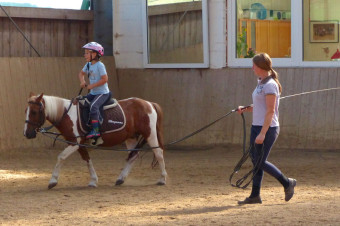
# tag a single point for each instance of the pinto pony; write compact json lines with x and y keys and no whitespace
{"x":143,"y":119}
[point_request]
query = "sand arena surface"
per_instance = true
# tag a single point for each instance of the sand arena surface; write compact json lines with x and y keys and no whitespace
{"x":197,"y":191}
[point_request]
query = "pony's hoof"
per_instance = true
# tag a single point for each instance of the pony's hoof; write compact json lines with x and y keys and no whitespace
{"x":91,"y":185}
{"x":52,"y":185}
{"x":160,"y":183}
{"x":119,"y":182}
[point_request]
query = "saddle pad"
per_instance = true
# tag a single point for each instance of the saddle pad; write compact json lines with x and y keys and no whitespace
{"x":113,"y":118}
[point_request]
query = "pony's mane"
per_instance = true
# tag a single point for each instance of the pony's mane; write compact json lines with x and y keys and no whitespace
{"x":54,"y":107}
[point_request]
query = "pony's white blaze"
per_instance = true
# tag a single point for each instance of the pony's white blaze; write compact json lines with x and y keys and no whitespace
{"x":27,"y":118}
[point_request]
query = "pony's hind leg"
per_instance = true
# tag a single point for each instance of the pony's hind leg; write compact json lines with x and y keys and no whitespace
{"x":153,"y":142}
{"x":61,"y":158}
{"x":130,"y":144}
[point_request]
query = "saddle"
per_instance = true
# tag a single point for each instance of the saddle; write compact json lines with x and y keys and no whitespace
{"x":111,"y":119}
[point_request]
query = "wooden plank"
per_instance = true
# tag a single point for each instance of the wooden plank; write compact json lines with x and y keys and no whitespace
{"x":27,"y":32}
{"x":6,"y":38}
{"x":182,"y":31}
{"x":45,"y":13}
{"x":41,"y":38}
{"x":152,"y":34}
{"x":330,"y":114}
{"x":262,"y":36}
{"x":314,"y":80}
{"x":199,"y":28}
{"x":48,"y":37}
{"x":83,"y":35}
{"x":193,"y":28}
{"x":16,"y":70}
{"x":171,"y":27}
{"x":1,"y":38}
{"x":187,"y":34}
{"x":284,"y":37}
{"x":174,"y":8}
{"x":74,"y":40}
{"x":60,"y":38}
{"x":336,"y":106}
{"x":5,"y":110}
{"x":177,"y":16}
{"x":67,"y":41}
{"x":34,"y":38}
{"x":274,"y":40}
{"x":305,"y":108}
{"x":238,"y":94}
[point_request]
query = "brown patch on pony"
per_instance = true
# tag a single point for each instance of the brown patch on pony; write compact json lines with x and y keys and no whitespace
{"x":84,"y":154}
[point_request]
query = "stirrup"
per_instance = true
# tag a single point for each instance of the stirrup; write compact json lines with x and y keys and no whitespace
{"x":95,"y":141}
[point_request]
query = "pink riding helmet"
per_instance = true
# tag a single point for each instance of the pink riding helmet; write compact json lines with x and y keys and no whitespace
{"x":95,"y":47}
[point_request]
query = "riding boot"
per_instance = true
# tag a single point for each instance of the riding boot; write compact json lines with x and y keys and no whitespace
{"x":95,"y":130}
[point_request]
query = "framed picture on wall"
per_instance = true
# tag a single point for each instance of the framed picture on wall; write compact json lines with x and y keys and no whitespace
{"x":324,"y":31}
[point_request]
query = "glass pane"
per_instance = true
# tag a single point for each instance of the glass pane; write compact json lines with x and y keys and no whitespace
{"x":57,"y":4}
{"x":321,"y":30}
{"x":175,"y":31}
{"x":263,"y":26}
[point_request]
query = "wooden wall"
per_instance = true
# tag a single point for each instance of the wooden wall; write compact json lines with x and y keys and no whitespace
{"x":190,"y":98}
{"x":52,"y":32}
{"x":175,"y":26}
{"x":193,"y":98}
{"x":55,"y":76}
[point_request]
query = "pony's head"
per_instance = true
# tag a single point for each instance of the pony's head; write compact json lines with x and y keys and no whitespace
{"x":35,"y":115}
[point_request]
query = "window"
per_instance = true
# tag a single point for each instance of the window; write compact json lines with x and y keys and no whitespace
{"x":321,"y":30}
{"x":175,"y":34}
{"x":263,"y":26}
{"x":295,"y":33}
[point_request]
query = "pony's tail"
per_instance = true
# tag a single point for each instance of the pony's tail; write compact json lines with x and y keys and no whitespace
{"x":159,"y":128}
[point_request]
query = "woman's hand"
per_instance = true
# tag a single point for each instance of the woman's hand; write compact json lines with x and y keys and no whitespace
{"x":241,"y":109}
{"x":260,"y":138}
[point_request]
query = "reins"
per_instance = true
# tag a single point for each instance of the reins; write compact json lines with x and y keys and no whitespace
{"x":45,"y":132}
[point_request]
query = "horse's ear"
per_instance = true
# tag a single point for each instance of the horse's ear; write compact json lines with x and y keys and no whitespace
{"x":40,"y":97}
{"x":31,"y":94}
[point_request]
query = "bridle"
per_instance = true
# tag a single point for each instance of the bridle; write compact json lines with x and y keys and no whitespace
{"x":42,"y":117}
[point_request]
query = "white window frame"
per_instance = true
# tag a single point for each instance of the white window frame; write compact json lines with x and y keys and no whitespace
{"x":297,"y":44}
{"x":205,"y":63}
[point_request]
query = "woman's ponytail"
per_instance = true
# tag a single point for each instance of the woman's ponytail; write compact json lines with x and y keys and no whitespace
{"x":275,"y":76}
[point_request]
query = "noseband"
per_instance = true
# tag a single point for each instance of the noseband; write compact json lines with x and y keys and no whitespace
{"x":41,"y":115}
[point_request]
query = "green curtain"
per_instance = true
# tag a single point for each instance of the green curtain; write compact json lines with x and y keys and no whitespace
{"x":85,"y":5}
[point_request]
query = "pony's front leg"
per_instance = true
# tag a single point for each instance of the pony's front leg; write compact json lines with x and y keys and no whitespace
{"x":86,"y":157}
{"x":61,"y":158}
{"x":93,"y":174}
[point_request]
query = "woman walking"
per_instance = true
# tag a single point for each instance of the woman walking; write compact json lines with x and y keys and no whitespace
{"x":265,"y":127}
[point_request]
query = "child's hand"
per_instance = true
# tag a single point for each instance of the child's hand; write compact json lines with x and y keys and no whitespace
{"x":83,"y":84}
{"x":89,"y":86}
